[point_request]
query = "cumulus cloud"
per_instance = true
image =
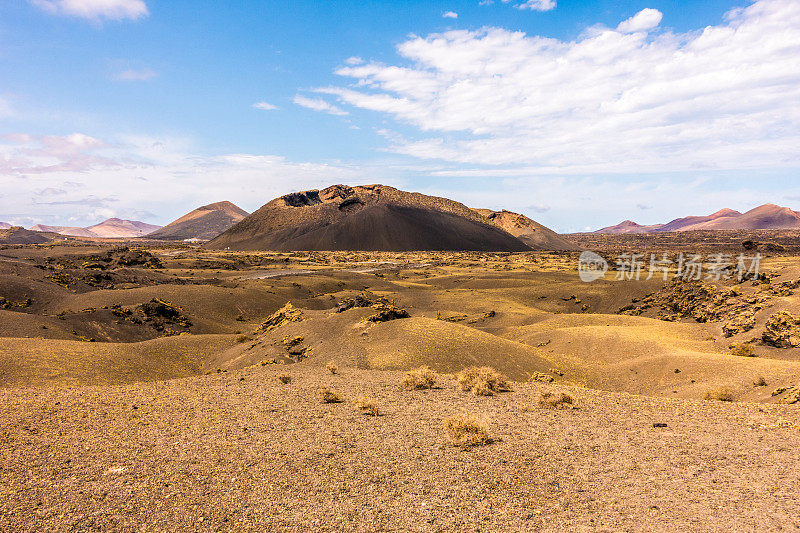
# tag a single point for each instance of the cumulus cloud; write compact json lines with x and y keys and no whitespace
{"x":95,"y":10}
{"x":318,"y":104}
{"x":136,"y":75}
{"x":450,"y":15}
{"x":78,"y":178}
{"x":726,"y":96}
{"x":265,"y":106}
{"x":536,"y":5}
{"x":644,"y":20}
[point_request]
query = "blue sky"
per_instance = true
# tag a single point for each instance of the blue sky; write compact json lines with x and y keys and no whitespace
{"x":561,"y":110}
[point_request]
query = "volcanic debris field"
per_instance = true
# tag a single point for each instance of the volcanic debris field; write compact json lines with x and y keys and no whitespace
{"x":174,"y":388}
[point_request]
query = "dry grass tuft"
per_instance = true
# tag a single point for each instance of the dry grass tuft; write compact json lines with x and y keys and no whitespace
{"x":760,"y":381}
{"x":285,"y":378}
{"x":466,"y":430}
{"x":332,"y":368}
{"x":483,"y":381}
{"x":368,"y":406}
{"x":242,"y":338}
{"x":420,"y":378}
{"x":742,"y":350}
{"x":555,"y":400}
{"x":328,"y":395}
{"x":722,"y":394}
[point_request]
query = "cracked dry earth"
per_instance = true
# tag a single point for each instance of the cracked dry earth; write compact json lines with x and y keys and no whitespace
{"x":240,"y":451}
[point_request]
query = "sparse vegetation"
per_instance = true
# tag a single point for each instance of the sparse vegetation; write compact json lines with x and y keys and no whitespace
{"x":242,"y":338}
{"x":760,"y":381}
{"x":722,"y":394}
{"x":420,"y":378}
{"x":555,"y":400}
{"x":328,"y":395}
{"x":368,"y":406}
{"x":742,"y":350}
{"x":285,"y":378}
{"x":483,"y":381}
{"x":466,"y":431}
{"x":332,"y":368}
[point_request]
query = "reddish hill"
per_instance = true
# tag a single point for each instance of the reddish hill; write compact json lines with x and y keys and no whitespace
{"x":629,"y":226}
{"x":681,"y":223}
{"x":64,"y":230}
{"x":118,"y":228}
{"x":370,"y":217}
{"x":768,"y":216}
{"x":205,"y":223}
{"x":113,"y":228}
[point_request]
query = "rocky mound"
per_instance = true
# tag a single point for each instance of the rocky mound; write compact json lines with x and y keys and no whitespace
{"x":528,"y":231}
{"x":204,"y":223}
{"x":370,"y":217}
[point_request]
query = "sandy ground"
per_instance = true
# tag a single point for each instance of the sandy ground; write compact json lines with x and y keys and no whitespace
{"x":241,"y":451}
{"x":97,"y":436}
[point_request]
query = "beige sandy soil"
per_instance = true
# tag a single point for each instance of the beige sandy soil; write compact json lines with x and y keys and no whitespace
{"x":174,"y":419}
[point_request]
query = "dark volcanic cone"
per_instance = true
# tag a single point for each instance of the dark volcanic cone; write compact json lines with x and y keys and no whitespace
{"x":370,"y":217}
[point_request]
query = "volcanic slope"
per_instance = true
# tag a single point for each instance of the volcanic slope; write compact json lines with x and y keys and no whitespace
{"x":204,"y":223}
{"x":528,"y":231}
{"x":370,"y":218}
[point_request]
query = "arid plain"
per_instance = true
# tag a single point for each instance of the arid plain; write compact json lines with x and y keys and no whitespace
{"x":143,"y":388}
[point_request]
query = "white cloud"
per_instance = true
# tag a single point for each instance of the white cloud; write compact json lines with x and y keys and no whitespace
{"x":450,"y":15}
{"x":355,"y":60}
{"x":136,"y":75}
{"x":644,"y":20}
{"x":536,"y":5}
{"x":265,"y":106}
{"x":727,"y":96}
{"x":55,"y":178}
{"x":95,"y":9}
{"x":318,"y":104}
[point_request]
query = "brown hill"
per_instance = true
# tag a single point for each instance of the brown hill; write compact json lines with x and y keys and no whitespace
{"x":529,"y":231}
{"x":20,"y":235}
{"x":629,"y":226}
{"x":370,"y":217}
{"x":205,"y":223}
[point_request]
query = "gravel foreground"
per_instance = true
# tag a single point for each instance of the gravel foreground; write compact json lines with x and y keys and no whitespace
{"x":240,"y":451}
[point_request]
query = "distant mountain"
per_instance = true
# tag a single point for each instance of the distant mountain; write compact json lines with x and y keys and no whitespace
{"x":768,"y":216}
{"x":64,"y":230}
{"x":680,"y":223}
{"x":4,"y":225}
{"x":118,"y":228}
{"x":529,"y":231}
{"x":368,"y":217}
{"x":629,"y":226}
{"x":113,"y":228}
{"x":205,"y":223}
